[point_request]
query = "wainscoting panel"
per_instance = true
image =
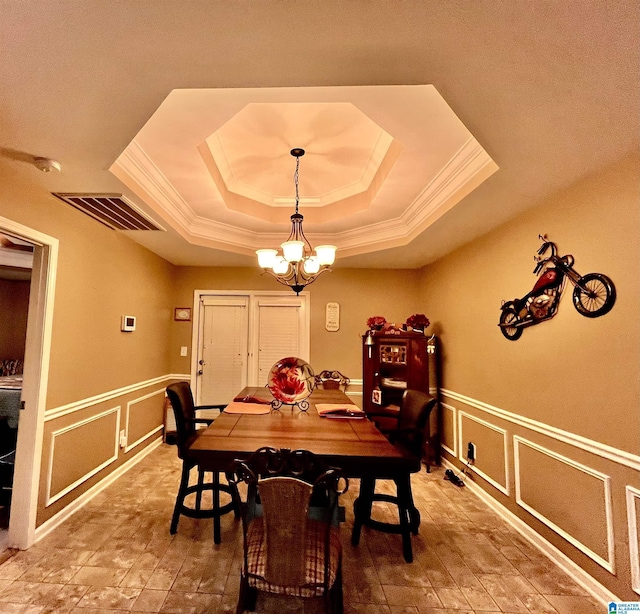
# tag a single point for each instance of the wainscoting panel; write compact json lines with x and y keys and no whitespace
{"x":80,"y":450}
{"x":589,"y":445}
{"x":582,"y":490}
{"x":144,"y":417}
{"x":492,"y":462}
{"x":538,"y":471}
{"x":633,"y":514}
{"x":449,"y":429}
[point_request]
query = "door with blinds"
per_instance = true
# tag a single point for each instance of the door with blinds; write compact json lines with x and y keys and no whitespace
{"x":223,"y":349}
{"x":241,"y":336}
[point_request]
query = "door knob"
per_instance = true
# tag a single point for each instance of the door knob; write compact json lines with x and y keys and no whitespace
{"x":201,"y":362}
{"x":200,"y":372}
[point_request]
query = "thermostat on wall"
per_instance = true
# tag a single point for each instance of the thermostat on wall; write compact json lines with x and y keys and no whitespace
{"x":128,"y":324}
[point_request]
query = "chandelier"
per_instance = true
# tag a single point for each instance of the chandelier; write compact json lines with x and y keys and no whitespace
{"x":297,"y":266}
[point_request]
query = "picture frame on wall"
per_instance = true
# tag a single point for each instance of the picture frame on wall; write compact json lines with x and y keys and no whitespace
{"x":182,"y":314}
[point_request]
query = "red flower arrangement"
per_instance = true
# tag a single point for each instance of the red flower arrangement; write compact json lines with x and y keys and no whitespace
{"x":418,"y":321}
{"x":376,"y":322}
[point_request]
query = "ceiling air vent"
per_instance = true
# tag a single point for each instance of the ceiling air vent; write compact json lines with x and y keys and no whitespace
{"x":113,"y":210}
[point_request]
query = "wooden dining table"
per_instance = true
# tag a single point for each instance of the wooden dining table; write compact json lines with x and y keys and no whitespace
{"x":354,"y":445}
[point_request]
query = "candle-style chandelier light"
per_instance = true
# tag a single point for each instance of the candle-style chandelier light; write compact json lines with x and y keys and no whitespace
{"x":297,"y":267}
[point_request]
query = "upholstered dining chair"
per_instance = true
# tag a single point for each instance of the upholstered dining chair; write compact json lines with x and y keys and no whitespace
{"x":332,"y":380}
{"x":409,"y":437}
{"x":187,"y":432}
{"x":291,"y":538}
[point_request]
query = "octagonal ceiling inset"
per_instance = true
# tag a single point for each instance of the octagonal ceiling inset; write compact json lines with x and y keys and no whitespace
{"x":382,"y":163}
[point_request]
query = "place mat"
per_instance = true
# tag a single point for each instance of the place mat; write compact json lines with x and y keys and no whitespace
{"x":339,"y":410}
{"x":236,"y":407}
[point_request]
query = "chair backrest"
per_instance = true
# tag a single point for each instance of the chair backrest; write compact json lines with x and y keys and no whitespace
{"x":283,"y":489}
{"x":332,"y":380}
{"x":285,"y":504}
{"x":414,"y":414}
{"x":184,"y":411}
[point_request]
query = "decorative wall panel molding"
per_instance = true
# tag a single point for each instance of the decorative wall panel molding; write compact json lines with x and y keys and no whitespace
{"x":502,"y":487}
{"x":618,"y":456}
{"x":606,"y":560}
{"x":454,"y":423}
{"x":69,"y":510}
{"x":131,"y":410}
{"x":633,"y":505}
{"x":572,"y":569}
{"x":110,"y":453}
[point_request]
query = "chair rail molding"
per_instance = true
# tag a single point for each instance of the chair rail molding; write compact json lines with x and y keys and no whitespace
{"x":589,"y":445}
{"x":63,"y":410}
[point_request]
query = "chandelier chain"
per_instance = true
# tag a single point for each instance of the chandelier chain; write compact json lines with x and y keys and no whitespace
{"x":296,"y":174}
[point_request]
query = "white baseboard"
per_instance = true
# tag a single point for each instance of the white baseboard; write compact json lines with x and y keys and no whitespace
{"x":55,"y":521}
{"x":579,"y":575}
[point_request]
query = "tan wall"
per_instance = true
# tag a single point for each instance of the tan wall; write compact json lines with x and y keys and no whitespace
{"x":101,"y":275}
{"x":14,"y":300}
{"x":575,"y":374}
{"x":361,"y":293}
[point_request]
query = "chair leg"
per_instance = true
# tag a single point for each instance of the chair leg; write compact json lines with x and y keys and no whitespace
{"x":362,"y":507}
{"x":200,"y":485}
{"x":337,"y":599}
{"x":409,"y":515}
{"x":217,"y":538}
{"x":235,"y":498}
{"x":184,"y":483}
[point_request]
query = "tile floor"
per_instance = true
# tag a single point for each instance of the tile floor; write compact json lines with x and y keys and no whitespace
{"x":116,"y":555}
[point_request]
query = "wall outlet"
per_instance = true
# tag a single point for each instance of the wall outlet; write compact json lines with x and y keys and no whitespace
{"x":471,"y":452}
{"x":183,"y":350}
{"x":123,"y":438}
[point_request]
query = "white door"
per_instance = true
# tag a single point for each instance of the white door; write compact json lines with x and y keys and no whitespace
{"x":223,"y":351}
{"x":241,"y":336}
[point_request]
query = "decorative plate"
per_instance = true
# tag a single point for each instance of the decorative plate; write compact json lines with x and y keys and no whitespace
{"x":291,"y":380}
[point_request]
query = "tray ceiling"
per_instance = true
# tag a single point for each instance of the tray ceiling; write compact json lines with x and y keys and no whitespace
{"x":381,"y":164}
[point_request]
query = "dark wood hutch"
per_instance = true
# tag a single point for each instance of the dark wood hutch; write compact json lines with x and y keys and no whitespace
{"x":392,"y":363}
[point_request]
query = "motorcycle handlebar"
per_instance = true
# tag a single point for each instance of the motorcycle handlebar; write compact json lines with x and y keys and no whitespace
{"x":547,"y":245}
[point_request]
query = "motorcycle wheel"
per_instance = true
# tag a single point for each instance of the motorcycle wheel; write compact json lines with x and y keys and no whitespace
{"x":599,"y":297}
{"x":508,"y":319}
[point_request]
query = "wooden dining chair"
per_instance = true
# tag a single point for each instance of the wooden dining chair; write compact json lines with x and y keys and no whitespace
{"x":290,"y":527}
{"x":332,"y":380}
{"x":187,"y":432}
{"x":409,"y":437}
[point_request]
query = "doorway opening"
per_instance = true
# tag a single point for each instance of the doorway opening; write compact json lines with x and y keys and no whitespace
{"x":22,"y":464}
{"x":16,"y":264}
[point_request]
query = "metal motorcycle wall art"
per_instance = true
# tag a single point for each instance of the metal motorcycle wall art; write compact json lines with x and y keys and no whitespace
{"x":593,"y":294}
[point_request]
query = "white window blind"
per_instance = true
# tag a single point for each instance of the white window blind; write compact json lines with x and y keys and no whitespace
{"x":278,"y":336}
